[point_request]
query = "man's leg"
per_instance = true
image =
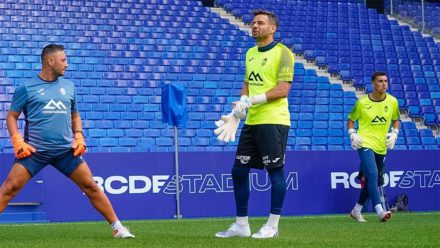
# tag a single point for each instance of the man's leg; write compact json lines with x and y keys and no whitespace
{"x":356,"y":212}
{"x":82,"y":176}
{"x":17,"y":178}
{"x":244,"y":157}
{"x":380,"y":162}
{"x":278,"y":192}
{"x":369,"y":168}
{"x":240,"y":179}
{"x":272,"y":142}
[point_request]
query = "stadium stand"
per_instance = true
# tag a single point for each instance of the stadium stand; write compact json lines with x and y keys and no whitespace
{"x":120,"y":53}
{"x":353,"y":41}
{"x":411,"y":11}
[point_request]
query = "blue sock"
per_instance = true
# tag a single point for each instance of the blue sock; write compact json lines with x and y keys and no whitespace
{"x":240,"y":178}
{"x":278,"y":190}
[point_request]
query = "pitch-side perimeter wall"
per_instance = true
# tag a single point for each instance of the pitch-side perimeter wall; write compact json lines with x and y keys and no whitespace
{"x":142,"y":185}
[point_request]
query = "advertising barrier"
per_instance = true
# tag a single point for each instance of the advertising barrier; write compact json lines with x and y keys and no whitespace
{"x":142,"y":185}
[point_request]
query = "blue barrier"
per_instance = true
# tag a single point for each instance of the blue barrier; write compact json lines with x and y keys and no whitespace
{"x":141,"y":185}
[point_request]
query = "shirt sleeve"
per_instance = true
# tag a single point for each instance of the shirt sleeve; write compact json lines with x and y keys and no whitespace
{"x":355,"y":112}
{"x":19,"y":99}
{"x":285,"y":68}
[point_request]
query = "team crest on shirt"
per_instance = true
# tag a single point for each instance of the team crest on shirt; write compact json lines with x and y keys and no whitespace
{"x":62,"y":91}
{"x":385,"y":109}
{"x":264,"y":62}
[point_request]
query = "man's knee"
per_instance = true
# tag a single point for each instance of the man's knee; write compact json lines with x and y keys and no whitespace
{"x":10,"y":187}
{"x":90,"y":187}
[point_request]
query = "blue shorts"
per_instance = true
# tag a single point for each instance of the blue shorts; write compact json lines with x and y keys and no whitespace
{"x":62,"y":159}
{"x":262,"y":146}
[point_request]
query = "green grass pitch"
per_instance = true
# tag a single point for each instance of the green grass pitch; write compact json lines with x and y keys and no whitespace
{"x":403,"y":230}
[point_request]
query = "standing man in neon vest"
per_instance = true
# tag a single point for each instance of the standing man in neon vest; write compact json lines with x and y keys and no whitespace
{"x":374,"y":114}
{"x":263,"y":140}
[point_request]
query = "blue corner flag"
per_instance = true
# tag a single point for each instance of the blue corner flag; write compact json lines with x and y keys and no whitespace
{"x":174,"y":105}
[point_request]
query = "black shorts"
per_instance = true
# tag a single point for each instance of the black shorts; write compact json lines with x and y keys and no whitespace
{"x":262,"y":146}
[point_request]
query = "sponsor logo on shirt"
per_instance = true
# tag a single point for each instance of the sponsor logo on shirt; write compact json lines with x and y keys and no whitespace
{"x":41,"y":91}
{"x":285,"y":69}
{"x":255,"y":77}
{"x":379,"y":120}
{"x":243,"y":159}
{"x":53,"y":107}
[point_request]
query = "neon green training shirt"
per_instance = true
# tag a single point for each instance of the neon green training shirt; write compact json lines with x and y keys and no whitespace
{"x":374,"y":119}
{"x":265,"y":67}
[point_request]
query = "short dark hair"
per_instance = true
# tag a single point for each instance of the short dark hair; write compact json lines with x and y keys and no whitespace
{"x":51,"y":48}
{"x":272,"y":16}
{"x":377,"y":74}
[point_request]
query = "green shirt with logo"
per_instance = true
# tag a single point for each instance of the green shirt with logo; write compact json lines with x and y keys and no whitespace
{"x":264,"y":69}
{"x":374,"y":119}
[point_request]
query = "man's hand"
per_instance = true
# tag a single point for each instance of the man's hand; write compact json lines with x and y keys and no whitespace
{"x":391,"y":138}
{"x":241,"y":106}
{"x":21,"y":148}
{"x":227,"y":131}
{"x":79,"y":145}
{"x":356,"y":140}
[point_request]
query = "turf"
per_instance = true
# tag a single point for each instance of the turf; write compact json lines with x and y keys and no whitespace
{"x":404,"y":230}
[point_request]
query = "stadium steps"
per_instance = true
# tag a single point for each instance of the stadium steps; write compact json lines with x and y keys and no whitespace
{"x":299,"y":58}
{"x":23,"y":212}
{"x":404,"y":117}
{"x":232,"y":19}
{"x":334,"y":78}
{"x":403,"y":22}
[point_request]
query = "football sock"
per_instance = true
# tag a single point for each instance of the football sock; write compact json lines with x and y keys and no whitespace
{"x":242,"y":220}
{"x":358,"y":208}
{"x":240,"y":178}
{"x":116,"y":225}
{"x":278,"y":190}
{"x":273,"y":220}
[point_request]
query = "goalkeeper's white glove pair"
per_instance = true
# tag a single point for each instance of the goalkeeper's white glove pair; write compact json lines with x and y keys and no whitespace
{"x":357,"y":141}
{"x":228,"y":124}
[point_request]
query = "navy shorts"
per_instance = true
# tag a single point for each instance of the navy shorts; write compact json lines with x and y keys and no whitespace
{"x":62,"y":159}
{"x":262,"y":146}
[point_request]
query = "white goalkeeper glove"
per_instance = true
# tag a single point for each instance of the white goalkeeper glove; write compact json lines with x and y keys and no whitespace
{"x":227,"y":127}
{"x":356,"y":140}
{"x":223,"y":119}
{"x":392,"y":138}
{"x":245,"y":103}
{"x":241,"y":106}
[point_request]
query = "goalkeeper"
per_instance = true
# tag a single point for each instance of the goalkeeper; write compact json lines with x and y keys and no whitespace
{"x":374,"y":114}
{"x":53,"y":135}
{"x":263,"y":139}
